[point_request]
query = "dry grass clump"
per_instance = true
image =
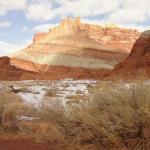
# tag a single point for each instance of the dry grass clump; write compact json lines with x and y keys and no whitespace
{"x":11,"y":109}
{"x":113,"y":118}
{"x":75,"y":99}
{"x":119,"y":116}
{"x":51,"y":93}
{"x":10,"y":106}
{"x":130,"y":76}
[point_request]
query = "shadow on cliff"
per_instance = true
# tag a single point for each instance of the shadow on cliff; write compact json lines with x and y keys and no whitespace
{"x":138,"y":61}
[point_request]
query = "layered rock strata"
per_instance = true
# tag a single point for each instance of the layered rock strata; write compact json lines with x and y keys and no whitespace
{"x":73,"y":45}
{"x":10,"y":72}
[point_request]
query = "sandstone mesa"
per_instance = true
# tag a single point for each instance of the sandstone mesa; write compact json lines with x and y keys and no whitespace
{"x":76,"y":50}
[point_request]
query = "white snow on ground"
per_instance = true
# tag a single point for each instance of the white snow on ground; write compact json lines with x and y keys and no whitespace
{"x":35,"y":91}
{"x":26,"y":118}
{"x":35,"y":96}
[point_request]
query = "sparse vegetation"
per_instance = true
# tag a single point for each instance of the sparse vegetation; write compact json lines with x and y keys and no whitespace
{"x":10,"y":105}
{"x":115,"y":116}
{"x":51,"y":93}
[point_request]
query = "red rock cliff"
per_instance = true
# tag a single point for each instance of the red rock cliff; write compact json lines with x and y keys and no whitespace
{"x":10,"y":72}
{"x":77,"y":45}
{"x":139,"y":58}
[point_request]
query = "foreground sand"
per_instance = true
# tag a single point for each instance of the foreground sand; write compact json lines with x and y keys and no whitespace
{"x":21,"y":144}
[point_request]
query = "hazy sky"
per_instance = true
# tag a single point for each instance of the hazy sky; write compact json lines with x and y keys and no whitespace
{"x":20,"y":19}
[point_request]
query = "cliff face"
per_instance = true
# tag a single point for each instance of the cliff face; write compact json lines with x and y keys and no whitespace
{"x":77,"y":45}
{"x":10,"y":72}
{"x":100,"y":37}
{"x":139,"y":58}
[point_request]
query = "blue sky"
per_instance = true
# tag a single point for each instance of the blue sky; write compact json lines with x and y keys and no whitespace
{"x":21,"y":19}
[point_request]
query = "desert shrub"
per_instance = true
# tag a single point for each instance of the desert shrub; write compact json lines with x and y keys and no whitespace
{"x":114,"y":117}
{"x":53,"y":115}
{"x":10,"y":105}
{"x":118,"y":116}
{"x":51,"y":93}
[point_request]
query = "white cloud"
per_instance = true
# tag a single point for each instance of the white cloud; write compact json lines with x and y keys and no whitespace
{"x":135,"y":11}
{"x":7,"y":5}
{"x":43,"y":27}
{"x":9,"y":48}
{"x":87,"y":7}
{"x":5,"y":24}
{"x":124,"y":12}
{"x":40,"y":11}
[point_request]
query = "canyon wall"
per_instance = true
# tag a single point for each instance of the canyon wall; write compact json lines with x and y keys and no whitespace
{"x":74,"y":44}
{"x":139,"y":59}
{"x":10,"y":72}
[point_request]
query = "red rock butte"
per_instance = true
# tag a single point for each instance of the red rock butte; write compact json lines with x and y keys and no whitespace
{"x":76,"y":50}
